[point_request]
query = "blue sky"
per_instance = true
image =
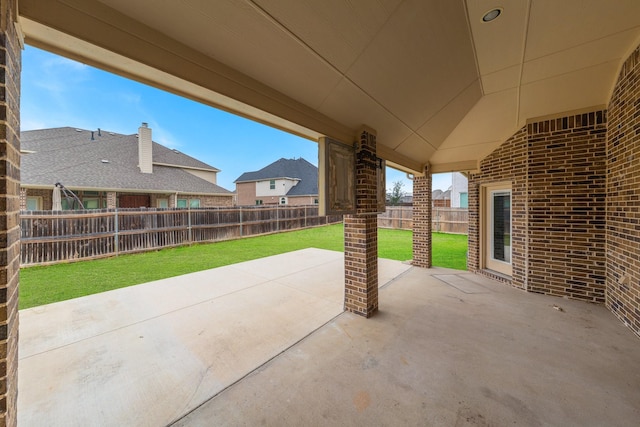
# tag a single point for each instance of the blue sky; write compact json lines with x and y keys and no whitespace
{"x":59,"y":92}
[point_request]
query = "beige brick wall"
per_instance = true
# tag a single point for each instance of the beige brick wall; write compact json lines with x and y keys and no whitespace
{"x":557,"y":170}
{"x":10,"y":67}
{"x":301,"y":200}
{"x":214,"y":201}
{"x":623,"y":202}
{"x":47,"y":196}
{"x":23,"y":199}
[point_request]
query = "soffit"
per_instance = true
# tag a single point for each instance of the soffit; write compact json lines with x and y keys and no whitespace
{"x":437,"y":83}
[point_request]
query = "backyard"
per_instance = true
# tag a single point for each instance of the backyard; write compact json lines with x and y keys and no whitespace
{"x":47,"y":284}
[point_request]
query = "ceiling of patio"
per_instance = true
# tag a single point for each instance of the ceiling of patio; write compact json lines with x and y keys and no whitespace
{"x":437,"y":83}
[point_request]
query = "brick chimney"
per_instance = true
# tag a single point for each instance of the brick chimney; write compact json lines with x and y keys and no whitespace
{"x":145,"y":149}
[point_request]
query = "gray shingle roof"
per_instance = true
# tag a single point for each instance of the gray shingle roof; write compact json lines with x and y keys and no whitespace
{"x":287,"y":168}
{"x":441,"y":195}
{"x":110,"y":161}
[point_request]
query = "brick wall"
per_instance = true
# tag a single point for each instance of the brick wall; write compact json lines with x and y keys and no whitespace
{"x":557,"y":173}
{"x":112,"y":200}
{"x":246,"y":193}
{"x":361,"y":234}
{"x":47,"y":197}
{"x":10,"y":65}
{"x":210,"y":201}
{"x":507,"y":163}
{"x":23,"y":199}
{"x":422,"y":220}
{"x":623,"y":188}
{"x":302,"y":200}
{"x":567,"y":178}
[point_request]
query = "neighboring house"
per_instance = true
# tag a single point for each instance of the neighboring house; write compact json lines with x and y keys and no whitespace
{"x":109,"y":170}
{"x":459,"y":191}
{"x":441,"y":199}
{"x":284,"y":182}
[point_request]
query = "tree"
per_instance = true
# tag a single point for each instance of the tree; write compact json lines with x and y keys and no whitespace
{"x":396,"y":193}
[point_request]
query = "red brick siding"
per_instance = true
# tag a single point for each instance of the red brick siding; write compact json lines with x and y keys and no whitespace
{"x":246,"y":193}
{"x":623,"y":202}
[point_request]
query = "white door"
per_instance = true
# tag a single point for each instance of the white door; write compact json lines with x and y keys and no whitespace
{"x":497,"y":228}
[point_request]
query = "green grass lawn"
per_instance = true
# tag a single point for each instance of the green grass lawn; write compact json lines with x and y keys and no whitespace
{"x":43,"y":285}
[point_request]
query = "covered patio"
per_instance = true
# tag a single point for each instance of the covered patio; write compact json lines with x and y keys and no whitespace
{"x":537,"y":101}
{"x":266,"y":342}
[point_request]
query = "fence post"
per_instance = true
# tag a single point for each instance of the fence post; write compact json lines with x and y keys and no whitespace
{"x":189,"y":236}
{"x":278,"y":217}
{"x":116,"y":237}
{"x":240,"y":221}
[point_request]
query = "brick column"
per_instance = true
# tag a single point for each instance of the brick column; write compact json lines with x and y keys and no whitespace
{"x":422,"y":220}
{"x":361,"y":234}
{"x":111,"y":200}
{"x":10,"y":64}
{"x":23,"y":199}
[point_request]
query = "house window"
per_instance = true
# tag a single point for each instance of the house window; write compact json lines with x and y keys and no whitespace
{"x":162,"y":203}
{"x":191,"y":203}
{"x":258,"y":202}
{"x":91,"y":203}
{"x":283,"y":200}
{"x":464,"y":200}
{"x":315,"y":201}
{"x":272,"y":184}
{"x":34,"y":203}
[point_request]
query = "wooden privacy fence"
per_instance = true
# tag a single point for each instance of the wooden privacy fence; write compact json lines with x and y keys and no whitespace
{"x":445,"y":220}
{"x":50,"y":237}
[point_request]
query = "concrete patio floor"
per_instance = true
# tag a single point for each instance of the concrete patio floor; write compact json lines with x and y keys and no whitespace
{"x":266,"y":343}
{"x":147,"y":354}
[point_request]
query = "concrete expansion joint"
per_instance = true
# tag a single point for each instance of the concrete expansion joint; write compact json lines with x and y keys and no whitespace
{"x":257,"y":369}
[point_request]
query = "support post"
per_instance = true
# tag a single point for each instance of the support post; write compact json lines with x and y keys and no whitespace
{"x":10,"y":68}
{"x":116,"y":232}
{"x":189,"y":233}
{"x":422,"y":219}
{"x":361,"y":233}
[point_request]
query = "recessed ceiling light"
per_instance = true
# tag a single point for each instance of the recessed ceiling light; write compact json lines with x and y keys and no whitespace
{"x":491,"y":15}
